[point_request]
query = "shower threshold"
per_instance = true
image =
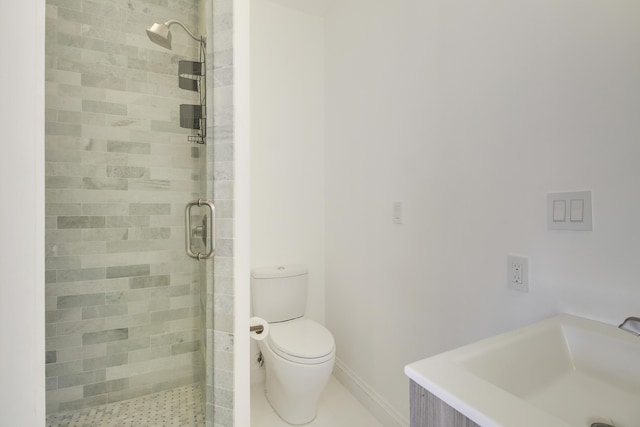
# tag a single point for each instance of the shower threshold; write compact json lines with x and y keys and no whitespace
{"x":180,"y":406}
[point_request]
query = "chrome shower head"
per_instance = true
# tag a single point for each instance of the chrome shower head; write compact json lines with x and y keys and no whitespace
{"x":160,"y":34}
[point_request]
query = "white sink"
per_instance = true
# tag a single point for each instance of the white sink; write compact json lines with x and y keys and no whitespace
{"x":561,"y":372}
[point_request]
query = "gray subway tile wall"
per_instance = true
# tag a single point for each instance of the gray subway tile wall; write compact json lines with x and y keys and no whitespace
{"x":126,"y":311}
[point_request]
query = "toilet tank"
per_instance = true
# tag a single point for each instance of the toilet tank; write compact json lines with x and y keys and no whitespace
{"x":279,"y":293}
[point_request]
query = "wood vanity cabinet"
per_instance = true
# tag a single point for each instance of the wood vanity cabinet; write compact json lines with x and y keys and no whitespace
{"x":429,"y":411}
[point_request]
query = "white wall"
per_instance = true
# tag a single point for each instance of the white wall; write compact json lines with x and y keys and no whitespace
{"x":22,"y":214}
{"x":287,"y":142}
{"x":470,"y":113}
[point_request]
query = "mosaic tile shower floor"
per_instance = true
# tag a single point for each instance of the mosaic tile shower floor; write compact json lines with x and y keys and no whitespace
{"x":178,"y":407}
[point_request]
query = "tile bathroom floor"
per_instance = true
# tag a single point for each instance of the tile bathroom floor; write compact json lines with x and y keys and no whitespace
{"x":337,"y":408}
{"x":182,"y":407}
{"x":178,"y":407}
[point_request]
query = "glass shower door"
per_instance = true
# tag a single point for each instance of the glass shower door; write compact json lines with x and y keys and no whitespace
{"x":129,"y":314}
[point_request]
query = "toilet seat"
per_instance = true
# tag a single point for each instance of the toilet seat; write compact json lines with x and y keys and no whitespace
{"x":302,"y":341}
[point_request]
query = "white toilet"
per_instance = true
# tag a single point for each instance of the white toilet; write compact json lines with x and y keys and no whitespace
{"x":298,"y":352}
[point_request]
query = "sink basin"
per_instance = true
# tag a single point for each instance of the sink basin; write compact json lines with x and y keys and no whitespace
{"x":564,"y":371}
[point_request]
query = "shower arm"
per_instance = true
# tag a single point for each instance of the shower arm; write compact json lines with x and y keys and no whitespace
{"x":200,"y":39}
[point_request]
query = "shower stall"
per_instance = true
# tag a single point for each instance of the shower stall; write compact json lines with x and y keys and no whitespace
{"x":138,"y":152}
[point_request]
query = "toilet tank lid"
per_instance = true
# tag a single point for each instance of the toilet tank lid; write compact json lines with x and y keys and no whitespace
{"x":279,"y":271}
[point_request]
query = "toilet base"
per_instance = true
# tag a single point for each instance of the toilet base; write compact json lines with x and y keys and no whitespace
{"x":292,"y":411}
{"x":293,"y":389}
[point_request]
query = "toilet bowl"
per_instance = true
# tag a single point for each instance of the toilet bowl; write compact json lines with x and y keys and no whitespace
{"x":297,"y":371}
{"x":298,"y":352}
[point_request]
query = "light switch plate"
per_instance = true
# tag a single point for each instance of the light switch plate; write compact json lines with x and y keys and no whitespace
{"x":397,"y":213}
{"x":577,"y":215}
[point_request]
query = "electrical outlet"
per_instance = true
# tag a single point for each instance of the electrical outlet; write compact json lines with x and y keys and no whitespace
{"x":518,"y":273}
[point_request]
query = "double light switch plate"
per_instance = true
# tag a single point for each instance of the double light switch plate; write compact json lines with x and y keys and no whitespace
{"x":569,"y":211}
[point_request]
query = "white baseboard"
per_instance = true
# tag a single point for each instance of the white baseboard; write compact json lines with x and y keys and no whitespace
{"x":371,"y":400}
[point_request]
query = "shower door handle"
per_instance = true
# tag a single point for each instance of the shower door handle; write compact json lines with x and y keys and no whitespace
{"x":206,"y":231}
